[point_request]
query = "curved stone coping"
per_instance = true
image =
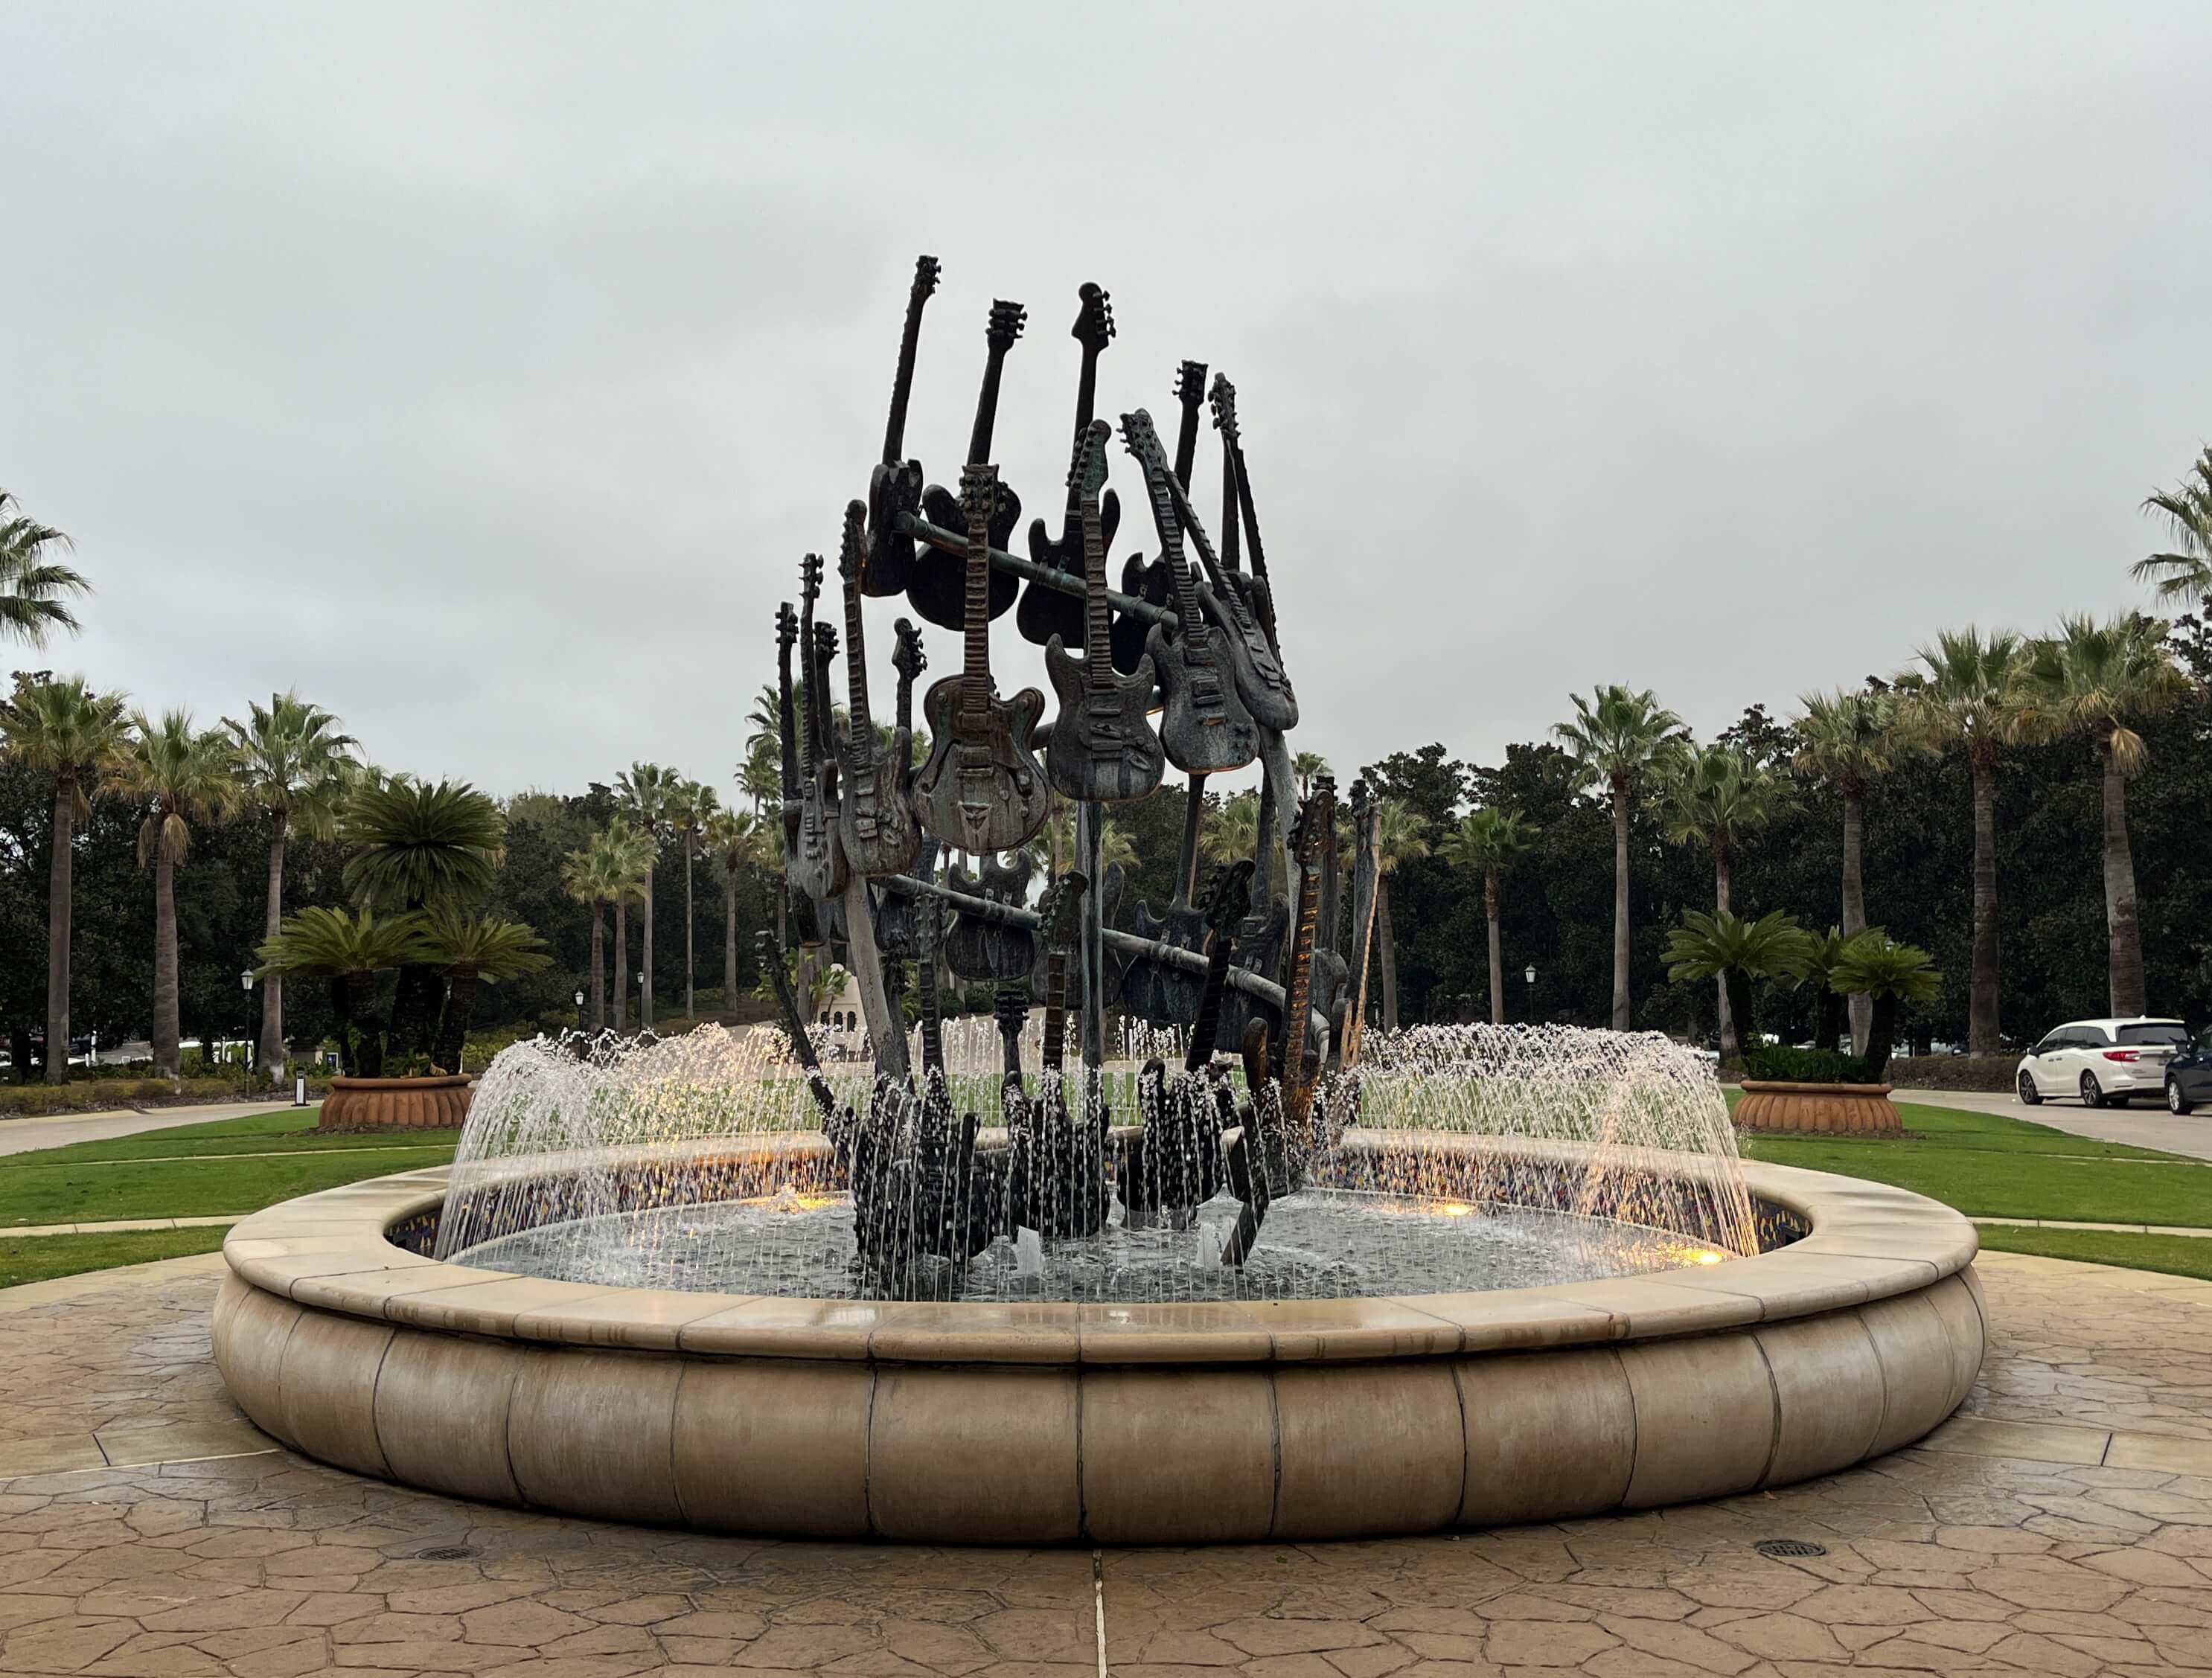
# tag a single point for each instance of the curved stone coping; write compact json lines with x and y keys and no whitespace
{"x":1868,"y":1242}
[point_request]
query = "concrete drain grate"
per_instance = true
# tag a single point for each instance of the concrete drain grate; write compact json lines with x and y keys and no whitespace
{"x":445,"y":1553}
{"x":1785,"y":1549}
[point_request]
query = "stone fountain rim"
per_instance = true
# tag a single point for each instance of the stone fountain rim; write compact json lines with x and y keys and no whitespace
{"x":1866,"y":1241}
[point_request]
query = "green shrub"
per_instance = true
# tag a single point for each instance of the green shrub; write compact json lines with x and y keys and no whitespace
{"x":1804,"y":1066}
{"x":1994,"y":1075}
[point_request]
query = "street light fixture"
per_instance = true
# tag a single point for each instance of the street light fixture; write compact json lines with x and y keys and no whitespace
{"x":246,"y":983}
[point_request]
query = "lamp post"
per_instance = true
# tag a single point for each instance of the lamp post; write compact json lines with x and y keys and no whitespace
{"x":246,"y":983}
{"x":1529,"y":974}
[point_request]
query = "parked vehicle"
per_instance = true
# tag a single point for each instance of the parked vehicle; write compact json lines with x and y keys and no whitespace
{"x":2189,"y":1076}
{"x":2104,"y":1062}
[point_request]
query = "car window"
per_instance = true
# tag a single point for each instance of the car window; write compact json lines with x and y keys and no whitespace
{"x":2055,"y":1040}
{"x":2174,"y":1035}
{"x":2090,"y":1037}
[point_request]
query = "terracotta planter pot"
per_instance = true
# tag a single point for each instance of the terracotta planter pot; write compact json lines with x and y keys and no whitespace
{"x":396,"y":1104}
{"x":1835,"y":1110}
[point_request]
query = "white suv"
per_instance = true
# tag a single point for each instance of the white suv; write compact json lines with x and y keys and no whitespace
{"x":2104,"y":1062}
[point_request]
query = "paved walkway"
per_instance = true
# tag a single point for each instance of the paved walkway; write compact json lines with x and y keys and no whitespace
{"x":22,"y":1136}
{"x":2062,"y":1525}
{"x":2144,"y":1126}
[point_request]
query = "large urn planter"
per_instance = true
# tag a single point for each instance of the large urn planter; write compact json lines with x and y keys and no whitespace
{"x":396,"y":1104}
{"x":1833,"y":1110}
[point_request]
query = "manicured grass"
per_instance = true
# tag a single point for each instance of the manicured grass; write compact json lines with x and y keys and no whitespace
{"x":231,"y":1165}
{"x":42,"y":1257}
{"x":2176,"y":1255}
{"x":1989,"y":1165}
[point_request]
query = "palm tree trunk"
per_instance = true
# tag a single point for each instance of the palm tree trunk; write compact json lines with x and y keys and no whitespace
{"x":1855,"y":919}
{"x":166,"y":1032}
{"x":1982,"y":1003}
{"x":1389,"y":954}
{"x":1731,"y":1033}
{"x":645,"y":962}
{"x":729,"y":943}
{"x":599,"y":968}
{"x":1620,"y":907}
{"x":60,"y":889}
{"x":2122,"y":932}
{"x":622,"y":963}
{"x":690,"y":996}
{"x":453,"y":1028}
{"x":1496,"y":959}
{"x":272,"y":988}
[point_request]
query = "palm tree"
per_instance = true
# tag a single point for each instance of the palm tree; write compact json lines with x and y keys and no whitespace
{"x":647,"y":795}
{"x":738,"y":839}
{"x":760,"y":777}
{"x":1231,"y":828}
{"x":180,"y":774}
{"x":2096,"y":678}
{"x":1056,"y":840}
{"x":293,"y":763}
{"x":1845,"y":739}
{"x":2186,"y":574}
{"x":1875,"y":964}
{"x":690,"y":804}
{"x":1400,"y":836}
{"x":1735,"y":951}
{"x":1619,"y":737}
{"x":32,"y":585}
{"x":65,"y":729}
{"x":1817,"y":967}
{"x":474,"y":947}
{"x":1715,"y":795}
{"x":1489,"y":842}
{"x":626,"y":859}
{"x":1306,"y":766}
{"x":346,"y":948}
{"x":1967,"y":691}
{"x":419,"y":846}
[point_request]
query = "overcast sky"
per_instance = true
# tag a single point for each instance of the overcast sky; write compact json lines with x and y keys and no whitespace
{"x":484,"y":371}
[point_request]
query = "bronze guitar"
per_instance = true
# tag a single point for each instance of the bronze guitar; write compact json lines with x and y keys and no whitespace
{"x":1205,"y":727}
{"x":817,"y":864}
{"x":1149,"y":581}
{"x":1101,"y":747}
{"x":876,"y":826}
{"x":939,"y":586}
{"x":1316,"y":826}
{"x":895,"y":486}
{"x":982,"y":789}
{"x":787,"y":636}
{"x":1046,"y":612}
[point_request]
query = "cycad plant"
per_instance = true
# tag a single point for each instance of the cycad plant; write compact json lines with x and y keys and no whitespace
{"x":2185,"y":573}
{"x":1734,"y":951}
{"x":1845,"y":739}
{"x":1874,"y":964}
{"x":2097,"y":679}
{"x":349,"y":949}
{"x":1488,"y":843}
{"x":647,"y":794}
{"x":1619,"y":738}
{"x":65,"y":729}
{"x":34,"y":587}
{"x":295,"y":765}
{"x":1816,"y":966}
{"x":474,"y":949}
{"x":1967,"y":693}
{"x":179,"y":775}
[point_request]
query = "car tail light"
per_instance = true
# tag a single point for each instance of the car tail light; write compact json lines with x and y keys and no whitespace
{"x":2123,"y":1054}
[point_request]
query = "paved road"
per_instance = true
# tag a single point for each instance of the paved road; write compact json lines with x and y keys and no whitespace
{"x":21,"y":1136}
{"x":2144,"y":1126}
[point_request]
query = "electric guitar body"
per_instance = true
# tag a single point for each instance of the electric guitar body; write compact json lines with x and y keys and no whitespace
{"x":817,"y":864}
{"x":1046,"y":612}
{"x":938,"y":587}
{"x":876,"y":828}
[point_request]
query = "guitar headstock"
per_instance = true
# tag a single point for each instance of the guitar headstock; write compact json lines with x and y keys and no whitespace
{"x":908,"y":660}
{"x":926,"y":270}
{"x":1317,"y":822}
{"x":825,"y":643}
{"x":1094,"y":318}
{"x":809,"y":578}
{"x":1190,"y":384}
{"x":1060,"y":909}
{"x":1142,"y":441}
{"x":1090,"y":463}
{"x":1228,"y":897}
{"x":1007,"y":320}
{"x":787,"y":626}
{"x":853,"y":551}
{"x":1223,"y":398}
{"x":979,"y":497}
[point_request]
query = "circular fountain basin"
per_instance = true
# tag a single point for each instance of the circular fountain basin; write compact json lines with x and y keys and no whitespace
{"x":1008,"y":1421}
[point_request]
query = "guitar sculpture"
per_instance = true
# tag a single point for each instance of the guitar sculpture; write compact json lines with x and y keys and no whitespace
{"x":876,"y":828}
{"x":981,"y":950}
{"x":1102,"y":747}
{"x":1260,"y":674}
{"x":1056,"y":1176}
{"x":939,"y":586}
{"x":982,"y":789}
{"x":1262,"y":595}
{"x":1205,"y":728}
{"x":1316,"y":826}
{"x":1046,"y":612}
{"x":786,"y":719}
{"x":1150,"y":582}
{"x":817,"y":865}
{"x":895,"y":486}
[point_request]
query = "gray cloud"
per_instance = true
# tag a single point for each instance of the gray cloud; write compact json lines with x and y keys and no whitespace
{"x":485,"y":370}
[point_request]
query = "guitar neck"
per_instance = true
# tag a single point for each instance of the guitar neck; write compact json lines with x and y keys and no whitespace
{"x":903,"y":380}
{"x":1299,"y":1004}
{"x":1251,"y":518}
{"x":1208,"y":1027}
{"x":856,"y":670}
{"x":810,"y":741}
{"x":1055,"y":1010}
{"x":1086,"y":396}
{"x":933,"y":1035}
{"x":1170,"y":533}
{"x":1187,"y":440}
{"x":975,"y":616}
{"x":986,"y":409}
{"x":786,"y":721}
{"x":1230,"y":555}
{"x":1096,"y":620}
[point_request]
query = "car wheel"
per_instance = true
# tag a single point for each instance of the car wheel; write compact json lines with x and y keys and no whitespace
{"x":2093,"y":1094}
{"x":2030,"y":1096}
{"x":2176,"y":1102}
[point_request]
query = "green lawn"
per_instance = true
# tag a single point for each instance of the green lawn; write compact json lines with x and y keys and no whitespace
{"x":41,"y":1257}
{"x":231,"y":1165}
{"x":2176,"y":1255}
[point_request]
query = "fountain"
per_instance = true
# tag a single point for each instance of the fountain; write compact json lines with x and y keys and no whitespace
{"x":972,"y":1288}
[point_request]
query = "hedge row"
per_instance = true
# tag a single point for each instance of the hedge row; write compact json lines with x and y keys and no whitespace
{"x":98,"y":1094}
{"x":1994,"y":1075}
